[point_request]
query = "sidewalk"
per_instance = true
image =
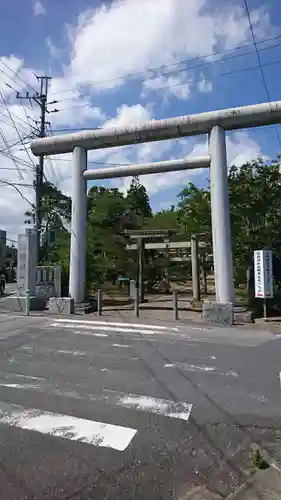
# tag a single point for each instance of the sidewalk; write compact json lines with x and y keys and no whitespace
{"x":263,"y":485}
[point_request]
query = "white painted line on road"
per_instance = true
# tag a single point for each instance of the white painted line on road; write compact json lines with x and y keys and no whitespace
{"x":56,"y":351}
{"x":134,"y":325}
{"x":200,"y":369}
{"x":7,"y":375}
{"x":36,"y":387}
{"x":104,"y":328}
{"x":67,"y":427}
{"x":100,"y":334}
{"x":280,"y":378}
{"x":180,"y":409}
{"x":71,"y":353}
{"x":120,"y":345}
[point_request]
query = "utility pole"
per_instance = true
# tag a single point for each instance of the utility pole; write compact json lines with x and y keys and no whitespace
{"x":41,"y":100}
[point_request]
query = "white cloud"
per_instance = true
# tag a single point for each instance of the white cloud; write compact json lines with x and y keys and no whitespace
{"x":178,"y":86}
{"x":128,"y":36}
{"x":129,"y":115}
{"x":205,"y":86}
{"x":39,"y":9}
{"x":241,"y":148}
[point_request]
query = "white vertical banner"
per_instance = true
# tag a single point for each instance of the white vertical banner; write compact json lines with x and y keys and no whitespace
{"x":263,"y":274}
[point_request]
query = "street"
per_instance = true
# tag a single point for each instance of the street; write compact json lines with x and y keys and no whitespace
{"x":106,"y":410}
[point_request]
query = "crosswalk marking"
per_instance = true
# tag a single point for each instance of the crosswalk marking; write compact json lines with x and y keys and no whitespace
{"x":67,"y":427}
{"x":20,"y":375}
{"x":178,"y":410}
{"x":110,"y":323}
{"x":201,"y":369}
{"x":66,"y":352}
{"x":90,"y":326}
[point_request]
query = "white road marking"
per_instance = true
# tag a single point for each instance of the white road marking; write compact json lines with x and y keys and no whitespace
{"x":120,"y":345}
{"x":201,"y":369}
{"x":23,"y":386}
{"x":134,"y":325}
{"x":20,"y":376}
{"x":67,"y":427}
{"x":100,"y":334}
{"x":179,"y":410}
{"x":89,"y":353}
{"x":105,"y":328}
{"x":280,"y":378}
{"x":72,"y":353}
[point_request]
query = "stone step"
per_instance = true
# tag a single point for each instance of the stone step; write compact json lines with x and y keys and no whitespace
{"x":85,"y":307}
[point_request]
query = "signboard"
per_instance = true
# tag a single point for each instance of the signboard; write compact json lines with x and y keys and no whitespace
{"x":263,"y":274}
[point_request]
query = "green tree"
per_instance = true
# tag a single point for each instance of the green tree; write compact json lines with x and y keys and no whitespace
{"x":165,"y":219}
{"x":138,"y":200}
{"x":194,"y":211}
{"x":255,"y":205}
{"x":108,"y":218}
{"x":55,"y":208}
{"x":55,"y":216}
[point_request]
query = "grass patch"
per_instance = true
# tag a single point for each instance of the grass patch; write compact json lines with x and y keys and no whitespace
{"x":258,"y":461}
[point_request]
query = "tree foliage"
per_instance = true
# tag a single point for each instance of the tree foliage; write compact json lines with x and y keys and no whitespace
{"x":138,"y":201}
{"x":55,"y":208}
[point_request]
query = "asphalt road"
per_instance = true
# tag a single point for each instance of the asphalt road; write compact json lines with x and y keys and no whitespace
{"x":108,"y":411}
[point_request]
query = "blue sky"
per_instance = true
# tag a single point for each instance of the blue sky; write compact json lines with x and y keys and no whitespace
{"x":99,"y":54}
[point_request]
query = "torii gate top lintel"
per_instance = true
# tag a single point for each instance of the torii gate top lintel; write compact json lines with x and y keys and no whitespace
{"x":158,"y":130}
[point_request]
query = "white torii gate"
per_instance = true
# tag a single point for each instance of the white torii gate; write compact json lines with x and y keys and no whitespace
{"x":213,"y":123}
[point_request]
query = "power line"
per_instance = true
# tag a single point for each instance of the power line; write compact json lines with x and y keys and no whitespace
{"x":16,"y":143}
{"x":11,"y":156}
{"x":18,"y":76}
{"x":18,"y":160}
{"x":227,"y":73}
{"x":15,"y":186}
{"x":16,"y":128}
{"x":259,"y":63}
{"x":16,"y":117}
{"x":182,"y":70}
{"x":12,"y":169}
{"x":178,"y":63}
{"x":11,"y":125}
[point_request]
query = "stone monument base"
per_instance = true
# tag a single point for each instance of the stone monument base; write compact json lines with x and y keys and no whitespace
{"x":221,"y":314}
{"x":61,"y":305}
